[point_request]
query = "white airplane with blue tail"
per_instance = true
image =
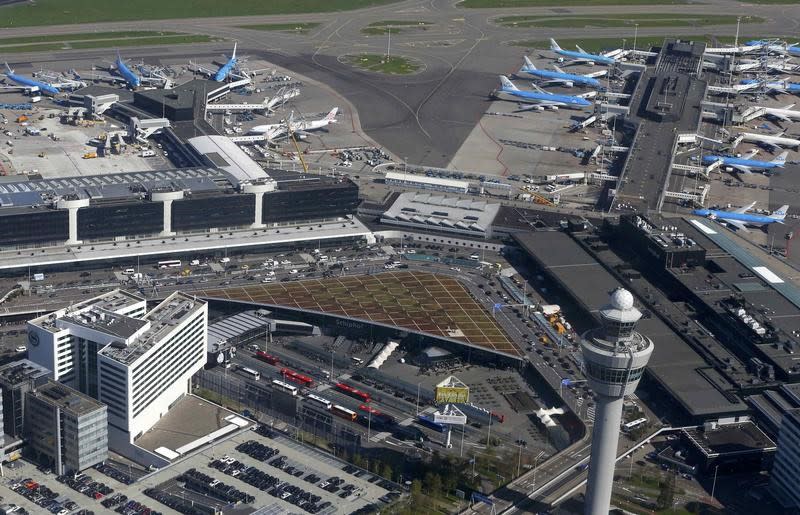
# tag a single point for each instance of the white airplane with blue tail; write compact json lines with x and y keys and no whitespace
{"x":559,"y":76}
{"x":582,"y":56}
{"x":541,"y":98}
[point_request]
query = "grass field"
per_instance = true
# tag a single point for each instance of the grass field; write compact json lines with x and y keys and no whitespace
{"x":643,"y":20}
{"x":493,"y":4}
{"x":174,"y":39}
{"x":282,"y":27}
{"x":418,"y":301}
{"x":398,"y":23}
{"x":394,"y":65}
{"x":56,"y":12}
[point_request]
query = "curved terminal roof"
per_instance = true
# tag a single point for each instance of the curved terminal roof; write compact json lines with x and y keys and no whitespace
{"x":227,"y":155}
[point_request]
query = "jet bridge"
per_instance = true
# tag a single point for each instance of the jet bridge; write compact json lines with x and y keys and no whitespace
{"x":140,"y":130}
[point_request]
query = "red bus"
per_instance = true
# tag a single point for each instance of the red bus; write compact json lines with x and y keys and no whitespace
{"x":377,"y":416}
{"x":269,"y":358}
{"x":353,"y":392}
{"x":300,"y":379}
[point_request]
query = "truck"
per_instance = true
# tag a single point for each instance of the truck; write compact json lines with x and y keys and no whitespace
{"x":38,"y":277}
{"x":148,"y":153}
{"x":90,"y":155}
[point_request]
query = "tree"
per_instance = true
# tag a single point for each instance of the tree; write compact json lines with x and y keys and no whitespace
{"x":436,"y":485}
{"x":416,"y":492}
{"x":666,"y":494}
{"x":387,"y":472}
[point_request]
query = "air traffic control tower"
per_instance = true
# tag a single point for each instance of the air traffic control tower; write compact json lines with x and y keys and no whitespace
{"x":614,"y":358}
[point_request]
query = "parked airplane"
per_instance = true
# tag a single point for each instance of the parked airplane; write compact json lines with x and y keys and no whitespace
{"x":744,"y":164}
{"x":559,"y":76}
{"x":774,"y":142}
{"x":582,"y":56}
{"x":28,"y":84}
{"x":784,"y":114}
{"x":226,"y":68}
{"x":740,"y":219}
{"x":276,"y":130}
{"x":778,"y":86}
{"x":131,"y":79}
{"x":542,"y":98}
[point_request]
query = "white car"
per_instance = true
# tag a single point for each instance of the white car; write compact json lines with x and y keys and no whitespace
{"x":293,"y":271}
{"x":21,"y":348}
{"x":268,"y":280}
{"x":286,"y":262}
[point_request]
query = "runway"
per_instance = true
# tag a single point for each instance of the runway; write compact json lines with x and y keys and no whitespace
{"x":427,"y":117}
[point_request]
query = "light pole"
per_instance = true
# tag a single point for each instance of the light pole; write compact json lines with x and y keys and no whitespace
{"x":714,"y":484}
{"x":417,"y":399}
{"x":635,"y":36}
{"x":519,"y":456}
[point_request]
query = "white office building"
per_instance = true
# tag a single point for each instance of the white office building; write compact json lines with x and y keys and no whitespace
{"x":136,"y":362}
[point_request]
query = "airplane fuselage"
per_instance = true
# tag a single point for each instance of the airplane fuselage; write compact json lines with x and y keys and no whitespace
{"x":739,"y":217}
{"x":586,"y":57}
{"x":226,"y":69}
{"x":534,"y":96}
{"x":32,"y":83}
{"x":131,"y":78}
{"x":575,"y":79}
{"x":738,"y":161}
{"x":772,"y":140}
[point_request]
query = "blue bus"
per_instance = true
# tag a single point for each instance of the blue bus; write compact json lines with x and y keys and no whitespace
{"x":428,"y":422}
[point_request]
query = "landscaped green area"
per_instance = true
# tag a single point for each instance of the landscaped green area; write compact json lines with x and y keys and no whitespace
{"x":85,"y":36}
{"x":56,"y":12}
{"x":493,"y":4}
{"x":643,"y":20}
{"x":392,"y":27}
{"x":67,"y":42}
{"x":282,"y":27}
{"x":394,"y":65}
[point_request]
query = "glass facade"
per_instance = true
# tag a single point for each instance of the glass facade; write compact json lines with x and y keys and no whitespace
{"x":310,"y":204}
{"x":100,"y":221}
{"x":613,"y":375}
{"x":203,"y":213}
{"x":34,"y":226}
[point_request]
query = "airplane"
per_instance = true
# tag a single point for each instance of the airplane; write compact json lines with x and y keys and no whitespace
{"x":744,"y":164}
{"x":29,"y":85}
{"x":778,"y":86}
{"x":560,"y":77}
{"x":739,"y":217}
{"x":131,"y":79}
{"x":542,"y":98}
{"x":784,"y":114}
{"x":226,"y":68}
{"x":582,"y":56}
{"x":774,"y":142}
{"x":275,"y":130}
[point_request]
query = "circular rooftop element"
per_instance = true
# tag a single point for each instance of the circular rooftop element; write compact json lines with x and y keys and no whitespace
{"x":622,"y":299}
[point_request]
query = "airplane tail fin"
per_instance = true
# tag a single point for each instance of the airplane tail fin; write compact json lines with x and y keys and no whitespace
{"x":233,"y":55}
{"x":781,"y":159}
{"x":780,"y":213}
{"x":507,"y":84}
{"x":8,"y":68}
{"x":528,"y":64}
{"x":332,"y":115}
{"x":553,"y":45}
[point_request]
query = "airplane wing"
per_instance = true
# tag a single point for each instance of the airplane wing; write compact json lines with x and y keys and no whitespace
{"x":780,"y":117}
{"x":750,"y":154}
{"x":613,"y":53}
{"x":581,"y":50}
{"x":559,"y":70}
{"x":713,"y":166}
{"x":744,"y":209}
{"x":594,"y":75}
{"x":736,"y":223}
{"x":742,"y":168}
{"x":537,"y":88}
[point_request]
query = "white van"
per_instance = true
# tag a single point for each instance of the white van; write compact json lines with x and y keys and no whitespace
{"x":194,"y":262}
{"x":323,"y":259}
{"x":129,"y":271}
{"x":225,"y":260}
{"x":268,"y":280}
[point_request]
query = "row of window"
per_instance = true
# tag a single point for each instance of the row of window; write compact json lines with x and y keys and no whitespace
{"x":176,"y":357}
{"x":613,"y":375}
